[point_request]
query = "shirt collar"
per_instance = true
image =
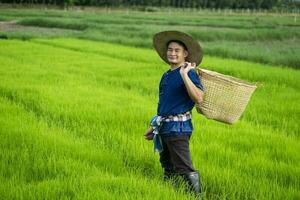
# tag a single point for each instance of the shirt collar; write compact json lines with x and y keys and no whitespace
{"x":170,"y":70}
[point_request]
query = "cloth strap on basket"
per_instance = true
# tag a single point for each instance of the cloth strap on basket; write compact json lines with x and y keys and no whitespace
{"x":156,"y":123}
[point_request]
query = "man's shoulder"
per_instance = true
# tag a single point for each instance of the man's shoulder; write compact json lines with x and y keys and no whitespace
{"x":165,"y":73}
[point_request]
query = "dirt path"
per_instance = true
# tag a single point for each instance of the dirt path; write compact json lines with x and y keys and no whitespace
{"x":10,"y":26}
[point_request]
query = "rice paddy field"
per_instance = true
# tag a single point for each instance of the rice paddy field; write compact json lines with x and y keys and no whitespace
{"x":78,"y":88}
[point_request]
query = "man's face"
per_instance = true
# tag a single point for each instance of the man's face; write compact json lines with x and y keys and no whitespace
{"x":176,"y":53}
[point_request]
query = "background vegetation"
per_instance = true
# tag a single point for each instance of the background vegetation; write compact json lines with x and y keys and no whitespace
{"x":78,"y":89}
{"x":264,"y":38}
{"x":233,"y":4}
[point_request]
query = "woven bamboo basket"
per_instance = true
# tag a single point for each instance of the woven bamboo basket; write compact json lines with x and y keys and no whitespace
{"x":225,"y":97}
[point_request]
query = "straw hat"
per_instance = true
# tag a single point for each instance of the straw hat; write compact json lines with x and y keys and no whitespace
{"x":161,"y":39}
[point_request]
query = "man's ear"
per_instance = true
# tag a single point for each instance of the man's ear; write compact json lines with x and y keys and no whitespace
{"x":186,"y":53}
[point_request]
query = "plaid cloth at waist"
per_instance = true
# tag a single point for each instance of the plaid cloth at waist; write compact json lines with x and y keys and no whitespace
{"x":157,"y":121}
{"x":178,"y":118}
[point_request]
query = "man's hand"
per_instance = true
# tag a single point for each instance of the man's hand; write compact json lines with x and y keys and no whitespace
{"x":186,"y":68}
{"x":149,"y":134}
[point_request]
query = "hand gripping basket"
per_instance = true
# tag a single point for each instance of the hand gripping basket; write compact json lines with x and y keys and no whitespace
{"x":225,"y":97}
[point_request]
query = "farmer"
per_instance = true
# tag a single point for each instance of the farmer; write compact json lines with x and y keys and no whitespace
{"x":179,"y":90}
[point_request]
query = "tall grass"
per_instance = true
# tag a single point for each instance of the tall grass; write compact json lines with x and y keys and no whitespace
{"x":73,"y":113}
{"x":41,"y":22}
{"x":255,"y":37}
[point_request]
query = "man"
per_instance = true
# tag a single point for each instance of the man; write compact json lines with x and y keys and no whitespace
{"x":179,"y":90}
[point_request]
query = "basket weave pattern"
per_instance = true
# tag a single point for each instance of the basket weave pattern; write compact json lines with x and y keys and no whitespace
{"x":225,"y":97}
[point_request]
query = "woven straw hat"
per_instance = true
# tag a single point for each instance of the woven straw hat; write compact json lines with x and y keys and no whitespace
{"x":161,"y":39}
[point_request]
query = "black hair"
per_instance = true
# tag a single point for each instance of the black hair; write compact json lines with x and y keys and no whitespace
{"x":178,"y":42}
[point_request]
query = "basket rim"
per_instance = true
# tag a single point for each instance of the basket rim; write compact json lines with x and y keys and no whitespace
{"x":228,"y":78}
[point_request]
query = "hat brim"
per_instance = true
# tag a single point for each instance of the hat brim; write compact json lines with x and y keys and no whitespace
{"x":161,"y":39}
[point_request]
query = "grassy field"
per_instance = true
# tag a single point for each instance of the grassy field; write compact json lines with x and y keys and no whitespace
{"x":264,"y":38}
{"x":73,"y":114}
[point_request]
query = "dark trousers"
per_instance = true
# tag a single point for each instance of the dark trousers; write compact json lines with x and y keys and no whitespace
{"x":176,"y":154}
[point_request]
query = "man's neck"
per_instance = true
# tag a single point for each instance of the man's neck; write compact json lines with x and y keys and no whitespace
{"x":175,"y":65}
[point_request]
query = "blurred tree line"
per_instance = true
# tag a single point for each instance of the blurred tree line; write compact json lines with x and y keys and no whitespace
{"x":218,"y":4}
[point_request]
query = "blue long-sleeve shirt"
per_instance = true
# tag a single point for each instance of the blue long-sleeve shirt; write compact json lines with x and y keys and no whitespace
{"x":174,"y":99}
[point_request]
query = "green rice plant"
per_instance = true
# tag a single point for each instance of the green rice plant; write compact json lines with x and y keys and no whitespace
{"x":73,"y":113}
{"x":255,"y":37}
{"x":52,"y":23}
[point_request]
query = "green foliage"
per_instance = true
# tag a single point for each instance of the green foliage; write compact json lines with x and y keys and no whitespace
{"x":73,"y":113}
{"x":145,"y":5}
{"x":42,"y":22}
{"x":272,"y":39}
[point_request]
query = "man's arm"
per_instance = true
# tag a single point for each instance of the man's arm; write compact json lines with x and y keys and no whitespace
{"x":194,"y":92}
